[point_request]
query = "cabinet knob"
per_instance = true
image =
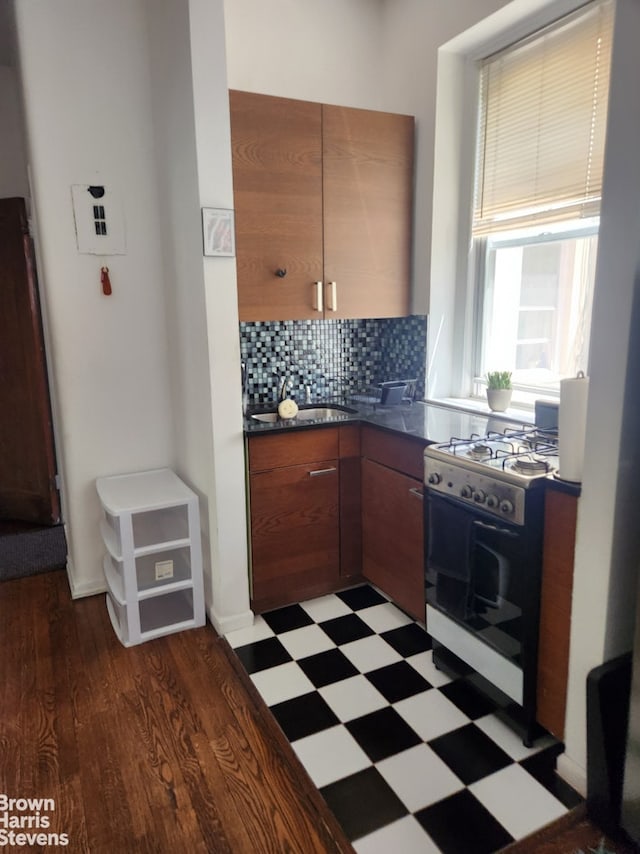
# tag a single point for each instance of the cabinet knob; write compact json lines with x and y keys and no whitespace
{"x":281,"y":272}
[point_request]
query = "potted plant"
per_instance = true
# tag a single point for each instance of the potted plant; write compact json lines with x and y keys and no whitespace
{"x":499,"y":390}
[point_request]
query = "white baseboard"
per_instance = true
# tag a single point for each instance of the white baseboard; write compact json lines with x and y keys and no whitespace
{"x":83,"y":588}
{"x":224,"y":625}
{"x":572,"y":773}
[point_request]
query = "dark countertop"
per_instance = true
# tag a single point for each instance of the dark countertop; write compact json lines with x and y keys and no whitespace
{"x":568,"y":486}
{"x":425,"y":421}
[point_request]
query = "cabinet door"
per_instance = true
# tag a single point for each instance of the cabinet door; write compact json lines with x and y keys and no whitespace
{"x":367,"y":197}
{"x":555,"y":609}
{"x":393,"y":536}
{"x":295,"y":537}
{"x":277,"y":185}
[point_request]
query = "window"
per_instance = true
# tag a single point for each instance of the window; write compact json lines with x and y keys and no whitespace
{"x":542,"y":118}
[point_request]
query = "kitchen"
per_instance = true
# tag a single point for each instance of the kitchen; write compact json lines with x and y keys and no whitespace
{"x":176,"y":420}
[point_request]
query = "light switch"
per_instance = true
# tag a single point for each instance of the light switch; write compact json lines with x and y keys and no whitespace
{"x":99,"y":222}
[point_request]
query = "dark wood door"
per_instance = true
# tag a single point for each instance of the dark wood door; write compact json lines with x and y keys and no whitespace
{"x":27,"y":458}
{"x":295,"y":530}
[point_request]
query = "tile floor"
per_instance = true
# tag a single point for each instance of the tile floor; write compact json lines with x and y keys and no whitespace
{"x":407,"y":759}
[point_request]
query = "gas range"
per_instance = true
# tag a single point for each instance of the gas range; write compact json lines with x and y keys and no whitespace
{"x":493,"y":472}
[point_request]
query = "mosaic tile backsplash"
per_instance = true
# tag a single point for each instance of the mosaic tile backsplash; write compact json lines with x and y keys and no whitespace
{"x":331,"y":357}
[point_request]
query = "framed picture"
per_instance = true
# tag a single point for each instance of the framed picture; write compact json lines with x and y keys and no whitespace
{"x":218,"y":232}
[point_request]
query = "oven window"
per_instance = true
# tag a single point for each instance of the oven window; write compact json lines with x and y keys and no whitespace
{"x":476,"y":574}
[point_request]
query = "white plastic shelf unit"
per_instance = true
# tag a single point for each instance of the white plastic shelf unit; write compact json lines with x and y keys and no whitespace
{"x":153,"y":565}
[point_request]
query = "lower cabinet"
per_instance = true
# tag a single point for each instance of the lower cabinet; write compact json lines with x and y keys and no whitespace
{"x":297,"y":494}
{"x":561,"y":511}
{"x":392,"y":518}
{"x":332,"y":506}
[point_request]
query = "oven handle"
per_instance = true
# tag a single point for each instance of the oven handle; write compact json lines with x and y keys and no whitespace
{"x":495,"y":528}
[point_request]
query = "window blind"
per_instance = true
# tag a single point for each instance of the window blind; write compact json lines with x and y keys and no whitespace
{"x":543,"y":110}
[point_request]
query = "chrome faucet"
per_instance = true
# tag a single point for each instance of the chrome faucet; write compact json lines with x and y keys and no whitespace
{"x":283,"y":383}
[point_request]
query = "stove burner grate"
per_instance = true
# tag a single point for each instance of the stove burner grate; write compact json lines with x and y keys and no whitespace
{"x":531,"y":465}
{"x":479,"y":451}
{"x":527,"y":453}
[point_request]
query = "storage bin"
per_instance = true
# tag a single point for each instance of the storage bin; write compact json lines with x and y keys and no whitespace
{"x":171,"y":609}
{"x":160,"y":568}
{"x":153,"y":566}
{"x":167,"y":525}
{"x":118,"y":615}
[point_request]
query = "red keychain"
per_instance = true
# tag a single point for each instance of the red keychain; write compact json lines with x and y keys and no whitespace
{"x":105,"y":281}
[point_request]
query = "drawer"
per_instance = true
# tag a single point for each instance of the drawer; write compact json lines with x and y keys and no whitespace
{"x":167,"y":612}
{"x":154,"y":571}
{"x":149,"y":528}
{"x":293,"y":448}
{"x":401,"y":453}
{"x":118,"y":616}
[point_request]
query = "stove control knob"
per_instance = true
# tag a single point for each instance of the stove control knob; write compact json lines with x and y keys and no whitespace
{"x":479,"y":496}
{"x":466,"y":492}
{"x":434,"y":478}
{"x":506,"y":506}
{"x":493,"y":501}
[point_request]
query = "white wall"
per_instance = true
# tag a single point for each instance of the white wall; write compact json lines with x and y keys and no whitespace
{"x":88,"y":114}
{"x":414,"y":30}
{"x":607,"y":559}
{"x":192,"y":137}
{"x":316,"y":50}
{"x":13,"y":164}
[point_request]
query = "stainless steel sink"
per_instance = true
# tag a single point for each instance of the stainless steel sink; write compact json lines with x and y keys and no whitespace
{"x":314,"y":412}
{"x":309,"y":413}
{"x":269,"y":417}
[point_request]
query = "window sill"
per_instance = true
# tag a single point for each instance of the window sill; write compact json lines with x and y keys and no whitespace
{"x":479,"y":407}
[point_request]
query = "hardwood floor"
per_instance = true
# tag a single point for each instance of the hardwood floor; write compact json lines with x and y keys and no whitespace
{"x":158,"y":748}
{"x":571,"y":834}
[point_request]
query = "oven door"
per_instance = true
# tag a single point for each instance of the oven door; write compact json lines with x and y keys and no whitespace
{"x":476,"y":569}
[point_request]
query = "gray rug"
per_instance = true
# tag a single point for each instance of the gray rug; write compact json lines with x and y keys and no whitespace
{"x":31,"y":550}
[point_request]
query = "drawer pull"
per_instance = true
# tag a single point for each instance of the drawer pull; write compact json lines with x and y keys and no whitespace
{"x":318,"y":472}
{"x":417,"y":493}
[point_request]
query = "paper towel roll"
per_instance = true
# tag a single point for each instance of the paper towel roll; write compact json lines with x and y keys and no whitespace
{"x":572,"y":425}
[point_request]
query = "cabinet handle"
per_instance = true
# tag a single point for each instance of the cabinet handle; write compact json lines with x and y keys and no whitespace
{"x":318,"y":472}
{"x":332,"y":300}
{"x":417,"y":493}
{"x":317,"y":297}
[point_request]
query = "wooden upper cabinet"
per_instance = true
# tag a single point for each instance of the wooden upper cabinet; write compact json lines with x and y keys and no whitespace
{"x":277,"y":186}
{"x":325,"y":194}
{"x":367,"y":201}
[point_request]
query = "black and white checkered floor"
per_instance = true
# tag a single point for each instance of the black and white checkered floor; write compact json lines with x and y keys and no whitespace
{"x":407,"y":759}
